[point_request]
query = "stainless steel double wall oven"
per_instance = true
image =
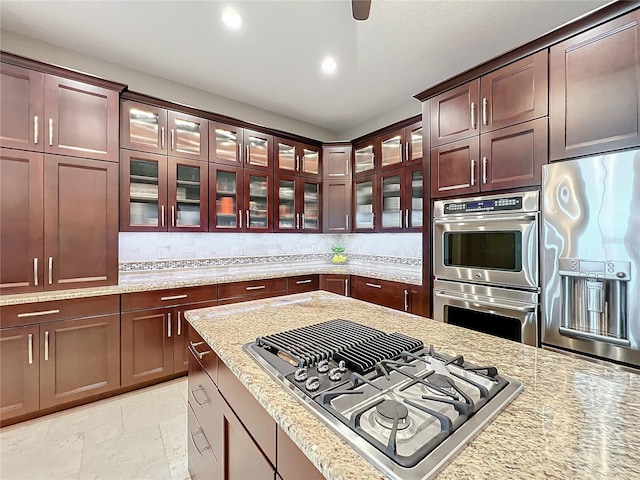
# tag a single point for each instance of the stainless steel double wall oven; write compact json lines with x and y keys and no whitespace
{"x":486,"y":264}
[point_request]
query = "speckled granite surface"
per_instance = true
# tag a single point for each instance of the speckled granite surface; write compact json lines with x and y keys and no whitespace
{"x":159,"y":280}
{"x":574,"y":420}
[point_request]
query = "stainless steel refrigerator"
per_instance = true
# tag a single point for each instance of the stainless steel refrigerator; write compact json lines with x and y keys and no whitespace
{"x":590,"y":256}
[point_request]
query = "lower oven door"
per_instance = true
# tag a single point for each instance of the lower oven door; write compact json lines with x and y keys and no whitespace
{"x":506,"y":313}
{"x":497,"y":249}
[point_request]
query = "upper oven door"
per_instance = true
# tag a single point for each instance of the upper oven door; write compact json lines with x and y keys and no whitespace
{"x":489,"y":249}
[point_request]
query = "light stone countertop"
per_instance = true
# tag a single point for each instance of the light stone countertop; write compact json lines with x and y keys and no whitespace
{"x":177,"y":278}
{"x":575,"y":419}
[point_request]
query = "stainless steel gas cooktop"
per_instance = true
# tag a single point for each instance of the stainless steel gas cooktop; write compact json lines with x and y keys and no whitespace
{"x":407,"y":408}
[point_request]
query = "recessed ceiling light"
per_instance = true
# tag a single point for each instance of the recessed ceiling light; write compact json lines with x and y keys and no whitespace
{"x":329,"y":66}
{"x":231,"y":19}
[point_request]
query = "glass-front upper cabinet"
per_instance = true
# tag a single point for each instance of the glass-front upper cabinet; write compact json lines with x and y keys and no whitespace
{"x":413,"y":143}
{"x":258,"y":200}
{"x":225,"y":144}
{"x":143,"y":127}
{"x":257,"y":149}
{"x":287,"y":209}
{"x":225,"y":198}
{"x":311,"y":206}
{"x":188,"y":136}
{"x":188,"y":183}
{"x":143,"y":191}
{"x":364,"y":194}
{"x":391,"y":147}
{"x":392,"y":200}
{"x":364,"y":159}
{"x":416,"y":185}
{"x":286,"y":155}
{"x":310,"y":165}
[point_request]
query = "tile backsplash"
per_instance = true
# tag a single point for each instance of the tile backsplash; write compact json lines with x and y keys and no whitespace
{"x":141,"y":251}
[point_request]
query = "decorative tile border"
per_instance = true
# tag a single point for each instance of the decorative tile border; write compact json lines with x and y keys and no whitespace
{"x":262,"y":260}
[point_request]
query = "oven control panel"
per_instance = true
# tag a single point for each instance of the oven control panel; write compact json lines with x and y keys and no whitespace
{"x":486,"y":205}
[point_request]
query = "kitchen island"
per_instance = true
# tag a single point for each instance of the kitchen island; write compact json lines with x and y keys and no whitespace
{"x":574,"y":419}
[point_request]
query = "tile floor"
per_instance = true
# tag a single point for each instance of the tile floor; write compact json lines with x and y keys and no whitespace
{"x":138,"y":435}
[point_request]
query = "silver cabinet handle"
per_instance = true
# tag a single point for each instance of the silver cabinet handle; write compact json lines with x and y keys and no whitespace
{"x":239,"y":159}
{"x":239,"y":218}
{"x":484,"y":169}
{"x":484,"y":110}
{"x":162,"y":215}
{"x":50,"y":270}
{"x":297,"y":221}
{"x":406,"y":218}
{"x":406,"y":300}
{"x":302,"y":282}
{"x":35,"y":271}
{"x":246,"y":153}
{"x":162,"y":138}
{"x":259,"y":287}
{"x":503,"y":218}
{"x":179,"y":323}
{"x":199,"y":389}
{"x":173,"y":139}
{"x":247,"y":215}
{"x":302,"y":222}
{"x":193,"y":346}
{"x":374,"y":285}
{"x":30,"y":347}
{"x":46,"y":345}
{"x":346,"y":287}
{"x":297,"y":163}
{"x":38,"y":314}
{"x":168,"y":325}
{"x":373,"y":221}
{"x":193,"y":439}
{"x":35,"y":129}
{"x":173,"y":216}
{"x":473,"y":172}
{"x":478,"y":302}
{"x":346,"y":222}
{"x":174,"y":297}
{"x":406,"y":152}
{"x":51,"y":132}
{"x":473,"y":115}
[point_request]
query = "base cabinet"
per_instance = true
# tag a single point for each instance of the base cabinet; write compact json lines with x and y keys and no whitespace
{"x":335,"y":283}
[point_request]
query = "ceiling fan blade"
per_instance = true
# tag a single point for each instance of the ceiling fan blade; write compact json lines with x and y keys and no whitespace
{"x":360,"y":9}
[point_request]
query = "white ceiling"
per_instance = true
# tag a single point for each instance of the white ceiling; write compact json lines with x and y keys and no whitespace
{"x":273,"y":61}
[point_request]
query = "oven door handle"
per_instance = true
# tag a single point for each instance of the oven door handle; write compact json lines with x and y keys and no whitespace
{"x":476,"y":301}
{"x":484,"y":219}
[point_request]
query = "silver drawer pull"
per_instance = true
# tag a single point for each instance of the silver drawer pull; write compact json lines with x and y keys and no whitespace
{"x":259,"y":287}
{"x":51,"y":132}
{"x":195,"y":351}
{"x":199,"y":389}
{"x":30,"y":348}
{"x":38,"y":314}
{"x":168,"y":325}
{"x":173,"y":297}
{"x":50,"y":270}
{"x":35,"y":271}
{"x":406,"y":300}
{"x":35,"y":129}
{"x":300,"y":282}
{"x":193,"y":439}
{"x":179,"y":323}
{"x":46,"y":345}
{"x":374,"y":285}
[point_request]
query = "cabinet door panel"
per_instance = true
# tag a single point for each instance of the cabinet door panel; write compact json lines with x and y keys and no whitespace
{"x":19,"y":371}
{"x":188,"y":136}
{"x":286,"y":156}
{"x":454,"y":168}
{"x":310,"y":201}
{"x":393,"y":208}
{"x":336,"y":161}
{"x":336,"y":205}
{"x":203,"y":464}
{"x":82,"y":119}
{"x":415,"y":197}
{"x":365,"y":205}
{"x":364,"y":159}
{"x":21,"y":221}
{"x":258,"y":201}
{"x":287,"y":215}
{"x":335,"y":283}
{"x":21,"y":109}
{"x":181,"y":336}
{"x":225,"y":144}
{"x":515,"y":93}
{"x":413,"y":143}
{"x":187,"y":195}
{"x":143,"y":127}
{"x":243,"y":458}
{"x":513,"y":157}
{"x":310,"y":161}
{"x":454,"y":114}
{"x":81,"y":222}
{"x":257,"y":149}
{"x":79,"y":358}
{"x":226,"y":201}
{"x":292,"y":463}
{"x":595,"y":90}
{"x":147,"y":348}
{"x":392,"y":149}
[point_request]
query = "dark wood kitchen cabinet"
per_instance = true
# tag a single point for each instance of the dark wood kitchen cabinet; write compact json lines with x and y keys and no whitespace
{"x":400,"y":147}
{"x":149,"y":128}
{"x":335,"y":283}
{"x":297,"y":204}
{"x":154,"y":332}
{"x":53,"y":114}
{"x":400,"y":199}
{"x":336,"y":188}
{"x":258,"y":150}
{"x":303,"y":283}
{"x":454,"y":168}
{"x":292,"y":157}
{"x":164,"y":194}
{"x":58,"y":352}
{"x":454,"y":114}
{"x":336,"y":159}
{"x":365,"y":203}
{"x":364,"y":158}
{"x":237,"y":146}
{"x":59,"y":222}
{"x":594,"y":94}
{"x":236,"y":292}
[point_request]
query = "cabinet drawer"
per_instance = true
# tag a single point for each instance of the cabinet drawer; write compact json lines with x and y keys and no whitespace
{"x":168,"y":298}
{"x":203,"y":464}
{"x":204,"y":353}
{"x":263,"y":288}
{"x":26,"y":314}
{"x":384,"y":287}
{"x":303,"y":283}
{"x":252,"y":415}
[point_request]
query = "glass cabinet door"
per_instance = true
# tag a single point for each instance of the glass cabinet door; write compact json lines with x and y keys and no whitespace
{"x":286,"y":199}
{"x":364,"y":159}
{"x":364,"y":205}
{"x":310,"y":164}
{"x":258,"y":207}
{"x":391,"y":151}
{"x":391,"y":201}
{"x":225,"y":144}
{"x":415,"y":177}
{"x":188,"y":194}
{"x":311,"y":206}
{"x":286,"y":159}
{"x":146,"y":194}
{"x":224,"y":206}
{"x":188,"y":136}
{"x":257,"y":149}
{"x":414,"y":143}
{"x":144,"y":127}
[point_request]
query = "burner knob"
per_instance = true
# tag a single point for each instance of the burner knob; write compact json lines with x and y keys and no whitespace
{"x":301,"y":374}
{"x":335,"y":374}
{"x":323,"y":366}
{"x":342,"y":366}
{"x":312,"y":384}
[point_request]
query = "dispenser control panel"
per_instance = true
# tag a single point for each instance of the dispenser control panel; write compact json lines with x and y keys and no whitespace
{"x":603,"y":270}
